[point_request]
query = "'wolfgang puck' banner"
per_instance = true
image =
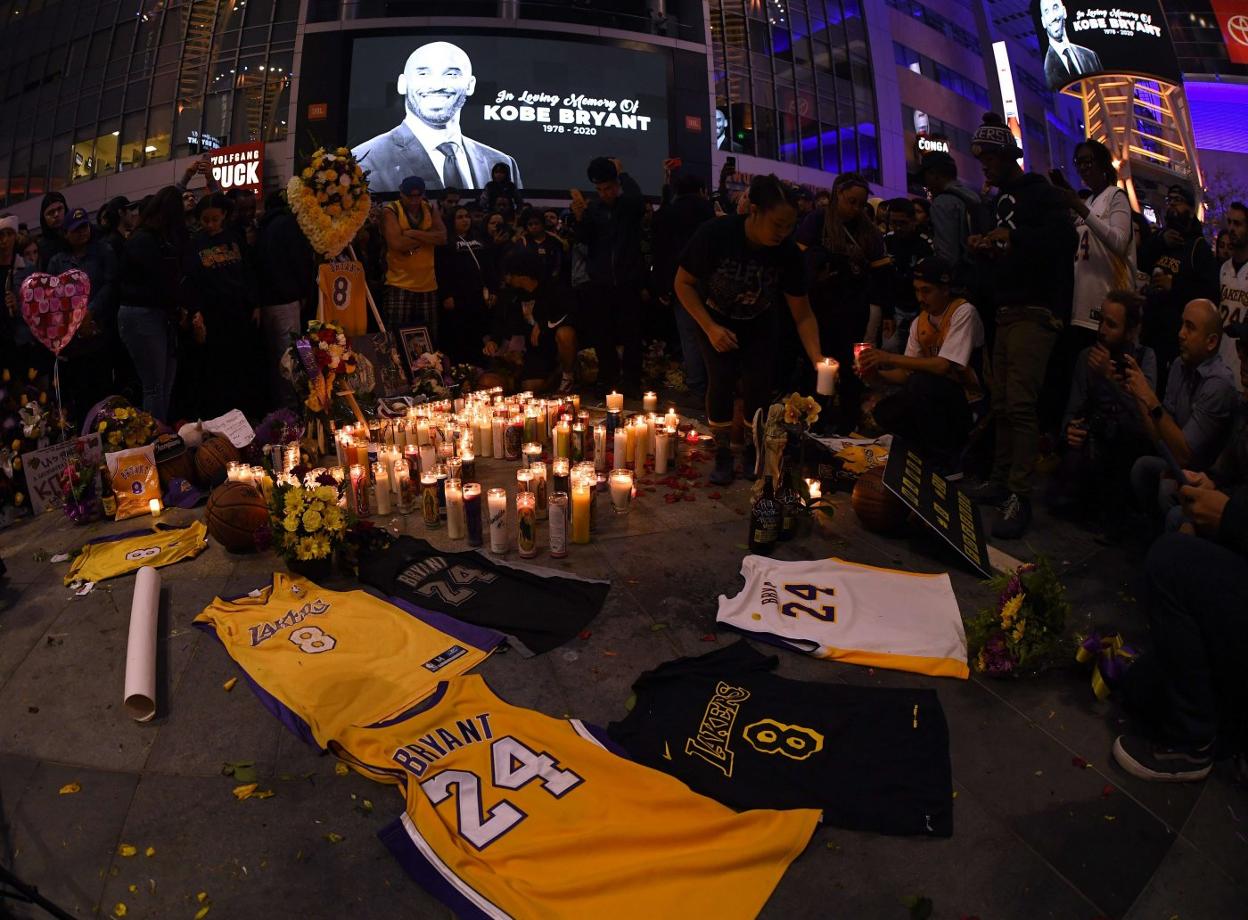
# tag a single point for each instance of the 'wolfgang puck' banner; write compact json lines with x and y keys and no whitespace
{"x":239,"y":166}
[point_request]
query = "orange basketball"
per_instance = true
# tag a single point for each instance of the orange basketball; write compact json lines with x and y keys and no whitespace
{"x":879,"y":510}
{"x":211,"y":460}
{"x":236,"y":510}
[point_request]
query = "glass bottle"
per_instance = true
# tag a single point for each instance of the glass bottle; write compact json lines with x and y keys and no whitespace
{"x":765,"y":520}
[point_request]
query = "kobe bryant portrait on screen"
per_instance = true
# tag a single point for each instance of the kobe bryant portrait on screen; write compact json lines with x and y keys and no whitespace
{"x":1064,"y":61}
{"x":436,"y":82}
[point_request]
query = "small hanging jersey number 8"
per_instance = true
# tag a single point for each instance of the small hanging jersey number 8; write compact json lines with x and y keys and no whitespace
{"x":342,"y":287}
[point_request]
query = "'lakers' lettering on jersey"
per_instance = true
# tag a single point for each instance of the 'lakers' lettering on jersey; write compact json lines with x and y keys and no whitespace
{"x":157,"y":547}
{"x":321,"y":660}
{"x":509,"y":812}
{"x":343,"y":291}
{"x":857,"y":613}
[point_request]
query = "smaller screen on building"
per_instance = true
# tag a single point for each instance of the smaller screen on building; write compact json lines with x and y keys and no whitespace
{"x":449,"y":108}
{"x":1079,"y":39}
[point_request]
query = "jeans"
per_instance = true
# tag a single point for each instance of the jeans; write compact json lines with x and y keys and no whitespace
{"x":695,"y":365}
{"x":931,"y":414}
{"x":1199,"y":633}
{"x":615,"y":311}
{"x":1020,"y":354}
{"x":278,"y":323}
{"x":150,"y":336}
{"x":1154,"y":492}
{"x":749,"y":364}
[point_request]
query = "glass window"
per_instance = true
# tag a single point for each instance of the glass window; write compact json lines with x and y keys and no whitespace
{"x":18,"y":175}
{"x":40,"y":155}
{"x":4,"y":178}
{"x":186,"y":129}
{"x":765,"y":132}
{"x":61,"y":152}
{"x":132,"y":142}
{"x":107,"y":144}
{"x":158,"y":143}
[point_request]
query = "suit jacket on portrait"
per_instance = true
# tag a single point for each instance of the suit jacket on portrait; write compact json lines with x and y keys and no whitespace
{"x":391,"y":157}
{"x":1056,"y":73}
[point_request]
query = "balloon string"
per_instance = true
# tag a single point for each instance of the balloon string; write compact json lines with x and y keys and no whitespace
{"x":56,"y":385}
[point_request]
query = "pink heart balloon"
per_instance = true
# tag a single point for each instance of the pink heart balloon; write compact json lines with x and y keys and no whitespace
{"x":54,"y":306}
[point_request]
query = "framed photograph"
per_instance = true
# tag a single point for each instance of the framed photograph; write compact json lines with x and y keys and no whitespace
{"x":416,"y":342}
{"x":381,"y":371}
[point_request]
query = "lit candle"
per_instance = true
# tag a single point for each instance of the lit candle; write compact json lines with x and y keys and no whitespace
{"x":613,"y":422}
{"x":429,"y":500}
{"x":428,"y":458}
{"x":404,"y":486}
{"x":577,"y":444}
{"x":649,"y":401}
{"x":615,"y":400}
{"x":400,"y":434}
{"x":532,"y":424}
{"x":600,"y":447}
{"x":524,"y":479}
{"x":575,"y":399}
{"x":232,"y":471}
{"x":482,"y":436}
{"x":580,"y":509}
{"x":621,"y":490}
{"x":532,"y":453}
{"x":621,"y":446}
{"x":563,"y":440}
{"x":558,"y":525}
{"x":154,"y":506}
{"x":815,"y":487}
{"x":671,"y":420}
{"x":382,"y":479}
{"x":538,"y":470}
{"x":497,"y":423}
{"x":359,"y":490}
{"x":266,"y":483}
{"x":559,"y":469}
{"x":526,"y":524}
{"x":472,"y":512}
{"x":825,"y":373}
{"x":468,"y":468}
{"x":859,"y":348}
{"x":498,"y":521}
{"x":513,"y":438}
{"x":662,"y":444}
{"x":456,"y":521}
{"x":422,"y":432}
{"x":340,"y":446}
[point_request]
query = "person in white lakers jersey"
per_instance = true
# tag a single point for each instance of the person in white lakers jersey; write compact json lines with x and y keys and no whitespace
{"x":861,"y":614}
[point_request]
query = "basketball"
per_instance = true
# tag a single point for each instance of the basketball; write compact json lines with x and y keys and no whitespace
{"x":236,"y":510}
{"x":173,"y":460}
{"x":879,"y":510}
{"x":211,"y":460}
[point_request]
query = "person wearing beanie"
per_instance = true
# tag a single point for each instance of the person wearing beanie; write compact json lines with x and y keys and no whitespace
{"x":937,"y":374}
{"x":1028,"y":261}
{"x":610,"y":229}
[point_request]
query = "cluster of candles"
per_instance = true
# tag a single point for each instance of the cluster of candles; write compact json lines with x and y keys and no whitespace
{"x":425,"y":462}
{"x":257,"y":476}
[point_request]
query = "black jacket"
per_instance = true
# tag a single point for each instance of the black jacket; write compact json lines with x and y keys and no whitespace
{"x":674,"y":226}
{"x":1038,"y":267}
{"x":463,"y":269}
{"x":151,"y":271}
{"x":218,"y":277}
{"x":612,"y":234}
{"x":285,"y":261}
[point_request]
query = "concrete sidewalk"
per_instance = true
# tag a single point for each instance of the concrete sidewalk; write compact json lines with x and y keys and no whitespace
{"x":1036,"y":834}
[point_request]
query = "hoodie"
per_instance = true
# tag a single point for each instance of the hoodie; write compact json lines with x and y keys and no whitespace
{"x":1038,"y":267}
{"x":612,"y":235}
{"x":50,"y":241}
{"x":955,"y":215}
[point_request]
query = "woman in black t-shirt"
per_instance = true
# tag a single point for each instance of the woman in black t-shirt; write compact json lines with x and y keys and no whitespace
{"x":731,"y":277}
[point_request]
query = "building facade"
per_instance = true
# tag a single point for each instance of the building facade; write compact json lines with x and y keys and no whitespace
{"x":107,"y":97}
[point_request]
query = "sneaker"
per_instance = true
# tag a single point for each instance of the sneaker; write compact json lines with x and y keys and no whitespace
{"x":988,"y":493}
{"x":722,"y":474}
{"x":1014,"y":517}
{"x":1147,"y":760}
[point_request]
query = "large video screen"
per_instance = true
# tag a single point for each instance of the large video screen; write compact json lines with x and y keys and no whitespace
{"x":448,"y":108}
{"x":1080,"y":38}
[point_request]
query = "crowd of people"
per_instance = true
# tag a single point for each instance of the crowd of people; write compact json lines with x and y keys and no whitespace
{"x":999,"y":320}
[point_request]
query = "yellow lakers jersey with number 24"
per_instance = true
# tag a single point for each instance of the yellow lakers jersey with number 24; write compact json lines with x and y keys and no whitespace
{"x":160,"y":546}
{"x":861,"y":614}
{"x":321,"y":660}
{"x":514,"y":814}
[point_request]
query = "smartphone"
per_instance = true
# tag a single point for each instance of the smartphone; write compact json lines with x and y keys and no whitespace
{"x":1172,"y":464}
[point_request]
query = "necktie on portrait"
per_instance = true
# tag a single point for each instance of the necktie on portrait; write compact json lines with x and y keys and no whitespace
{"x":451,"y":176}
{"x":1071,"y":68}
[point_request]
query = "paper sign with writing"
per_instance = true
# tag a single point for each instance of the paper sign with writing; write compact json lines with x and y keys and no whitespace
{"x":941,"y":504}
{"x":44,"y":467}
{"x":233,"y":426}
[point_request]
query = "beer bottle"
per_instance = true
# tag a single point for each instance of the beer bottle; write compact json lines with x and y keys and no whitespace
{"x":108,"y":500}
{"x":765,"y":520}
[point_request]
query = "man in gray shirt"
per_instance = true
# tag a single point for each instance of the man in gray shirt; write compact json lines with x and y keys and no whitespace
{"x":1194,"y":418}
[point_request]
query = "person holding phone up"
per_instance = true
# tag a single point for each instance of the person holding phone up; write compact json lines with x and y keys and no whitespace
{"x":1194,"y":418}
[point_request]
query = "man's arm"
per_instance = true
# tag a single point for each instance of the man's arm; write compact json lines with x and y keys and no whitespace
{"x":1158,"y":423}
{"x":433,"y":237}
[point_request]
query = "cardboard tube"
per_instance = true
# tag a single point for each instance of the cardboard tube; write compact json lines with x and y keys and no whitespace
{"x":140,"y":698}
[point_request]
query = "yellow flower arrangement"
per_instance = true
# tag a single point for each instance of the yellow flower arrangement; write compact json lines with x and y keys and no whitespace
{"x":330,"y":200}
{"x":306,"y":521}
{"x":1010,"y":609}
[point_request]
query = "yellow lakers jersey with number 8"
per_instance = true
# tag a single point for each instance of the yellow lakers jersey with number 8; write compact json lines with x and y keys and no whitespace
{"x":321,"y":660}
{"x":511,"y":813}
{"x":157,"y":547}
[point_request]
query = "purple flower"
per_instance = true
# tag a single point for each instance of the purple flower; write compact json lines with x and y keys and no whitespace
{"x":997,"y":659}
{"x":281,"y":426}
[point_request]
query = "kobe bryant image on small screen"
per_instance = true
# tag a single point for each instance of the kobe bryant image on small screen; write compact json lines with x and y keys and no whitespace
{"x":1065,"y":61}
{"x":436,"y":82}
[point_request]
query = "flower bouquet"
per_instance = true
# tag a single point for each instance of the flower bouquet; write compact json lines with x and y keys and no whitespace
{"x":306,"y":524}
{"x":1022,"y":633}
{"x":319,"y":358}
{"x":121,"y":425}
{"x":427,"y":379}
{"x":82,"y":505}
{"x":330,"y":200}
{"x":785,"y":423}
